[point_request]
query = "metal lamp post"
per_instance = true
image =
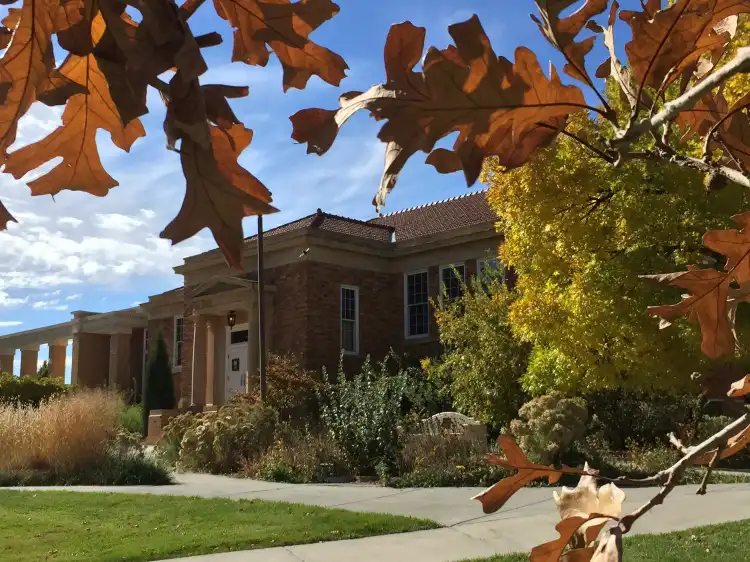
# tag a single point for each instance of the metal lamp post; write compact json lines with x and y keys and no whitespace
{"x":261,"y":312}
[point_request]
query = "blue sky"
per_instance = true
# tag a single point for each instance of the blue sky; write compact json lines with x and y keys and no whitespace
{"x":79,"y":252}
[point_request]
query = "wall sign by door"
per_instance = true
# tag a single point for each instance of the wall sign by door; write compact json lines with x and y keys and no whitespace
{"x":235,"y":364}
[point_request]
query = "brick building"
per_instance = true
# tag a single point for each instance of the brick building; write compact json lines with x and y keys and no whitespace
{"x":333,"y":285}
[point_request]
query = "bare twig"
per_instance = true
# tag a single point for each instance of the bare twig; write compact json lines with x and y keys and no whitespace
{"x":190,"y":7}
{"x":209,"y":39}
{"x":709,"y":469}
{"x":741,"y":63}
{"x":677,"y":444}
{"x":160,"y":85}
{"x":689,"y":162}
{"x":608,"y":157}
{"x":675,"y":472}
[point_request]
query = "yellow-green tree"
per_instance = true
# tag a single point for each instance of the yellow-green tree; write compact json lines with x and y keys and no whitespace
{"x":579,"y":232}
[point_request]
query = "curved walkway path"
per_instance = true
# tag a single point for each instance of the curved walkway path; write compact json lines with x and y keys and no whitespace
{"x":527,"y":520}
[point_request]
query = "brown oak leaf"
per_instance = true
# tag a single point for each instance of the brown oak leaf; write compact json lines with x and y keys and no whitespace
{"x":75,"y":140}
{"x":734,"y":445}
{"x":567,"y":528}
{"x":612,"y":66}
{"x":706,"y":304}
{"x":495,"y":497}
{"x":131,"y":54}
{"x":219,"y":193}
{"x":29,"y":60}
{"x":699,"y":119}
{"x":740,"y":387}
{"x":561,"y":32}
{"x":735,"y":245}
{"x":668,"y":41}
{"x":5,"y":217}
{"x":283,"y":26}
{"x":465,"y":88}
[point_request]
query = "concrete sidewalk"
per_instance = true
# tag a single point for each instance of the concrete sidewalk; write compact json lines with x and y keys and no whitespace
{"x":527,"y":520}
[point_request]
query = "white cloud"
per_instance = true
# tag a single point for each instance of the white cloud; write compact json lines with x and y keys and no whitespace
{"x":52,"y":293}
{"x":49,"y":305}
{"x":6,"y":301}
{"x":72,"y":221}
{"x":9,"y":323}
{"x":116,"y":221}
{"x":73,"y":297}
{"x":148,"y":213}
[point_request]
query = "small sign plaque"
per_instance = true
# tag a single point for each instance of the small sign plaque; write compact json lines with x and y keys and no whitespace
{"x":235,"y":364}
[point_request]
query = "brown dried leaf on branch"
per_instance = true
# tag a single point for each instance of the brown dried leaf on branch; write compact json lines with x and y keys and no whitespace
{"x":494,"y":497}
{"x":735,"y":444}
{"x":496,"y":106}
{"x":220,"y":193}
{"x":706,"y":304}
{"x":562,"y":32}
{"x":283,"y":26}
{"x":740,"y":388}
{"x":75,"y":140}
{"x":5,"y":217}
{"x":552,"y":551}
{"x":671,"y":40}
{"x":28,"y":64}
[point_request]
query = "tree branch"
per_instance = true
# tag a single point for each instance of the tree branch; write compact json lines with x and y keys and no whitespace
{"x":675,"y":472}
{"x":678,"y":444}
{"x":209,"y":39}
{"x":741,"y":63}
{"x":689,"y":162}
{"x":608,"y":157}
{"x":190,"y":7}
{"x":704,"y":484}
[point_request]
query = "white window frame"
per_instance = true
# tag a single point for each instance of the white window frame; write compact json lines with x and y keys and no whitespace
{"x":407,"y":335}
{"x":175,"y":366}
{"x":500,"y":267}
{"x":354,"y":289}
{"x":450,"y":266}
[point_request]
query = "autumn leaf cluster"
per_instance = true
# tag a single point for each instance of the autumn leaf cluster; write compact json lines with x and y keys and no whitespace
{"x":114,"y":52}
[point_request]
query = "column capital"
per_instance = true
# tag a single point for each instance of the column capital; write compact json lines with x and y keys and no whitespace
{"x":61,"y":342}
{"x":30,"y":347}
{"x":8,"y":351}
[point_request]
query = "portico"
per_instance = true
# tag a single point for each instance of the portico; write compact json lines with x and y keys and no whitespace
{"x":107,"y":349}
{"x":225,"y":325}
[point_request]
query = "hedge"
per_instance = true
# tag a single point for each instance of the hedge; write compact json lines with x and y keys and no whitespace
{"x":29,"y":391}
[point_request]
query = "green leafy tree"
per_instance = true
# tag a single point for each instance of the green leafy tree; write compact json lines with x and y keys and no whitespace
{"x":579,"y":232}
{"x":43,"y":371}
{"x":159,"y":394}
{"x":482,"y":361}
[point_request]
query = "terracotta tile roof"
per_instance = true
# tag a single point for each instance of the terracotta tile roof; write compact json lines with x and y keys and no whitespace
{"x":334,"y":223}
{"x":441,"y":216}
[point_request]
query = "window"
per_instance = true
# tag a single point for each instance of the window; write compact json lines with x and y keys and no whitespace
{"x":239,"y":336}
{"x":452,"y":279}
{"x":179,"y":327}
{"x":350,"y":319}
{"x":490,"y":269}
{"x":417,"y":313}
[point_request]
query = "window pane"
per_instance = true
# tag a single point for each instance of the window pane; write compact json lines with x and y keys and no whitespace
{"x":348,"y":304}
{"x":348,"y":342}
{"x":453,"y":278}
{"x":416,"y":288}
{"x":241,"y":336}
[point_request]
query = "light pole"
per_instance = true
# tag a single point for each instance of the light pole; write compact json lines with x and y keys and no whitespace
{"x":261,"y":312}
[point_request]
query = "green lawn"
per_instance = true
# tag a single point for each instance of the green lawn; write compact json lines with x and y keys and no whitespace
{"x":46,"y":526}
{"x":718,"y":543}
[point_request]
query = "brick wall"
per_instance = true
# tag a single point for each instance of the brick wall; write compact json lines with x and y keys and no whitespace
{"x":290,"y":319}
